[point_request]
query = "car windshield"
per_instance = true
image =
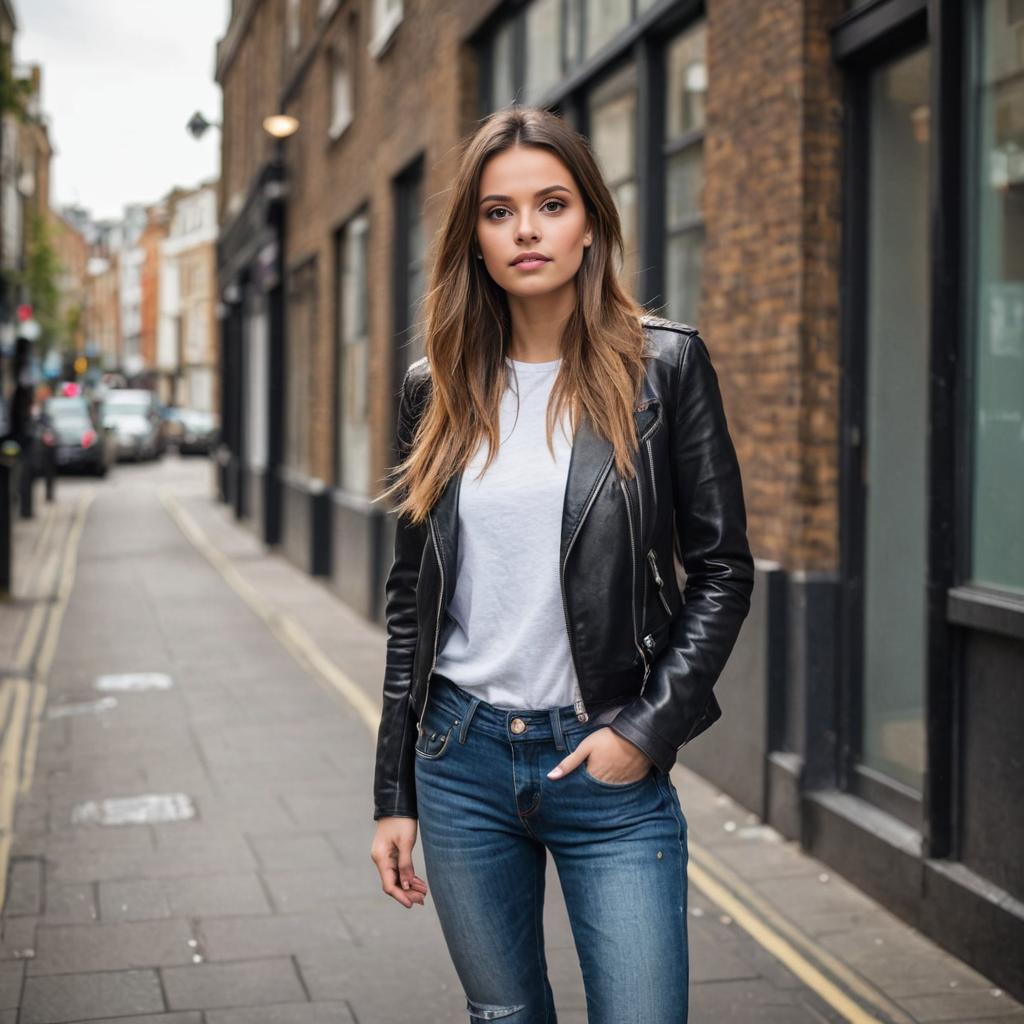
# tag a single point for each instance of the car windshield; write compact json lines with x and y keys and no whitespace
{"x":68,"y":411}
{"x":126,"y":410}
{"x":197,"y":420}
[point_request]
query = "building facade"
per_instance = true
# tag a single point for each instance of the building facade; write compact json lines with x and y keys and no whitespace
{"x":188,"y":325}
{"x":72,"y":251}
{"x":103,"y":308}
{"x":151,"y":243}
{"x":831,"y":191}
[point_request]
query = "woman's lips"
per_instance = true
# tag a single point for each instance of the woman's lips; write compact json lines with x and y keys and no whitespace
{"x":529,"y":264}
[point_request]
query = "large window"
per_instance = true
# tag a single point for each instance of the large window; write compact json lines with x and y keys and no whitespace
{"x":256,"y":354}
{"x":530,"y":57}
{"x":535,"y":47}
{"x":410,"y":266}
{"x":341,"y":88}
{"x":997,"y":110}
{"x":543,"y":48}
{"x":302,"y":321}
{"x":687,"y":80}
{"x":353,"y":362}
{"x":896,"y":420}
{"x":293,"y":25}
{"x":613,"y":139}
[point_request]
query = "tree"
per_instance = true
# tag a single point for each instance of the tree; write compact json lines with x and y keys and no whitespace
{"x":40,"y":278}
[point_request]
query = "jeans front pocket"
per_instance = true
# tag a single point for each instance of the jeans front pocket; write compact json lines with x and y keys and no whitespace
{"x":435,"y":734}
{"x":573,"y":739}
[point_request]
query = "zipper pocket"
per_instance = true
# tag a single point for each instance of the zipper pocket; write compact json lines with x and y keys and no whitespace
{"x":652,"y":560}
{"x":632,"y":594}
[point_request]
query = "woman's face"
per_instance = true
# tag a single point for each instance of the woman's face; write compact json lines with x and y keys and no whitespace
{"x":529,"y":202}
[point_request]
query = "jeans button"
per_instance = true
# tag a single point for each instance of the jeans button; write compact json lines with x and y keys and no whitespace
{"x":517,"y":725}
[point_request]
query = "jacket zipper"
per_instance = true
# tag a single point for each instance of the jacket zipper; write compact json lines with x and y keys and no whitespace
{"x":578,"y":705}
{"x":653,"y":559}
{"x":648,"y":640}
{"x":440,"y":607}
{"x":640,"y":524}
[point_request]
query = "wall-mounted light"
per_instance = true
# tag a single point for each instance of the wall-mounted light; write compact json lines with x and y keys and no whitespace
{"x":280,"y":125}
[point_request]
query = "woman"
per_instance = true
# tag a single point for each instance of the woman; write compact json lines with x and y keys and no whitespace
{"x":542,"y":668}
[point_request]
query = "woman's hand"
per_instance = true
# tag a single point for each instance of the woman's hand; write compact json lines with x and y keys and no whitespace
{"x":392,"y":853}
{"x":610,"y":758}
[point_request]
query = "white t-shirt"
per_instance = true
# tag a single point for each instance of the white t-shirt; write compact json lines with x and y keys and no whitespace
{"x":509,"y":645}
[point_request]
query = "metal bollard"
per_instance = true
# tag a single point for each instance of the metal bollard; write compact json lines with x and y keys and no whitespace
{"x":9,"y":452}
{"x":50,"y":469}
{"x":27,"y":477}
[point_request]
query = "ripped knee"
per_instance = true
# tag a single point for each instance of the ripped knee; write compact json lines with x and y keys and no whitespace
{"x":488,"y":1011}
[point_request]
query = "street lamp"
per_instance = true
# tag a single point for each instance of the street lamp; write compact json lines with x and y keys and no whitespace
{"x":280,"y":125}
{"x":198,"y":124}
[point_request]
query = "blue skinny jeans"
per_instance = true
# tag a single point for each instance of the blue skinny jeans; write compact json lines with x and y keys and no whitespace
{"x":488,"y":814}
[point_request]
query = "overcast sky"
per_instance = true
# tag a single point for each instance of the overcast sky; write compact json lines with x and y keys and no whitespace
{"x":120,"y":80}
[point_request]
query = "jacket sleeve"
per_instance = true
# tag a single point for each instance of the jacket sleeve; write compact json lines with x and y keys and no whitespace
{"x":394,"y":784}
{"x":711,"y":527}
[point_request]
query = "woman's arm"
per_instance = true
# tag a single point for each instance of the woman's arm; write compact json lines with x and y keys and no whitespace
{"x":711,"y":526}
{"x":394,"y":788}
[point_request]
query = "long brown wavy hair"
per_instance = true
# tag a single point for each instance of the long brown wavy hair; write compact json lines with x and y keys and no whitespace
{"x":467,"y":324}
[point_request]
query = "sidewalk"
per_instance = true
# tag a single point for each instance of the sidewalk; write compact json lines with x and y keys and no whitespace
{"x":232,"y":882}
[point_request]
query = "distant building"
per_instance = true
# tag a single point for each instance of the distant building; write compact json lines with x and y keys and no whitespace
{"x":151,"y":242}
{"x":103,"y":316}
{"x":132,"y":260}
{"x":72,"y":250}
{"x":187,"y":344}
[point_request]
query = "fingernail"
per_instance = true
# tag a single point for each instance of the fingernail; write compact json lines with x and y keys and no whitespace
{"x":405,"y":885}
{"x":555,"y":773}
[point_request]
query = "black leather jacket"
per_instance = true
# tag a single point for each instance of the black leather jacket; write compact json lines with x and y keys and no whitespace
{"x":634,"y":639}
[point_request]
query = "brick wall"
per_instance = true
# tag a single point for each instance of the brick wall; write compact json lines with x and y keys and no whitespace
{"x":411,"y":99}
{"x":771,"y":284}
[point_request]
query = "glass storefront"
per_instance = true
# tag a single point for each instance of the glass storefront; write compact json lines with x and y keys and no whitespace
{"x":997,"y":205}
{"x":897,"y":421}
{"x":353,"y":335}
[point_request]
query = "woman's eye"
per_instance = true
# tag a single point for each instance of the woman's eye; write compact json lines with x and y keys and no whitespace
{"x":557,"y":203}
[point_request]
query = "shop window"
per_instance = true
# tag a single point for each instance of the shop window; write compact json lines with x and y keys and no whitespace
{"x":997,"y":206}
{"x":341,"y":93}
{"x":613,"y":139}
{"x":687,"y":81}
{"x":352,"y":294}
{"x":302,"y":319}
{"x":543,"y":48}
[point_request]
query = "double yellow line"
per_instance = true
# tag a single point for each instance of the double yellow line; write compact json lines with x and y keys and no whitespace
{"x":833,"y":981}
{"x":23,"y":695}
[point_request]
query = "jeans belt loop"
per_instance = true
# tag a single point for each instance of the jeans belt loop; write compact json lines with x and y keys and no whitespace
{"x":556,"y":728}
{"x":473,"y":705}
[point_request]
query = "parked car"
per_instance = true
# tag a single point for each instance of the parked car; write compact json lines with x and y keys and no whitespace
{"x":198,"y":431}
{"x":170,"y":424}
{"x":71,"y":427}
{"x":134,"y":414}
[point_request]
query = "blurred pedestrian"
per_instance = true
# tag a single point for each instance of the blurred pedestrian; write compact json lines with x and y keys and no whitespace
{"x":556,"y":443}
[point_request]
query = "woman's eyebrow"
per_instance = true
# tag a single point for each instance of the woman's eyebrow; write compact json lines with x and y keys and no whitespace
{"x":536,"y":195}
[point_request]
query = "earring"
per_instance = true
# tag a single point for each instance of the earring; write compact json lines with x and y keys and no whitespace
{"x":479,"y":255}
